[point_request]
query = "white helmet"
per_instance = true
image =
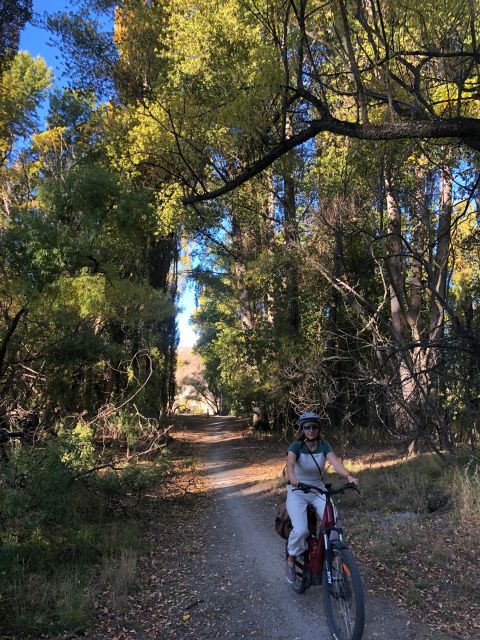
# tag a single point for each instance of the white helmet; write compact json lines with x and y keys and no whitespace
{"x":309,"y":416}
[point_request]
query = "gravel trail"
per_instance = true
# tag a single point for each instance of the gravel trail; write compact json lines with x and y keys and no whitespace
{"x":245,"y":552}
{"x":215,"y":568}
{"x":262,"y":604}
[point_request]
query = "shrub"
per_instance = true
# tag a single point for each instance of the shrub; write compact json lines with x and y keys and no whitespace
{"x":466,"y":490}
{"x":59,"y":526}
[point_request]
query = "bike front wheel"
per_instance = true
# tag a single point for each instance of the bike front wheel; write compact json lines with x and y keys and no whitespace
{"x":343,"y":598}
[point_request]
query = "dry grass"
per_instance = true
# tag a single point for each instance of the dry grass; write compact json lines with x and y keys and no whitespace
{"x":72,"y":603}
{"x":415,"y":529}
{"x":119,"y":575}
{"x":41,"y":601}
{"x":467,"y":500}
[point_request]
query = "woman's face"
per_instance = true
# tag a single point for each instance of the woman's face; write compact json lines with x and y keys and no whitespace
{"x":310,"y":431}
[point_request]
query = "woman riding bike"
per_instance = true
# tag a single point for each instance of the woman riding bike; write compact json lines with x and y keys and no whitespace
{"x":305,"y":462}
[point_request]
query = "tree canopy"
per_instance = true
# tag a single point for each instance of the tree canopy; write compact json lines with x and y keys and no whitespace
{"x":322,"y":157}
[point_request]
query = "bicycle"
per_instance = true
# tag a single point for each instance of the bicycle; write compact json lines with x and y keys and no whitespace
{"x":327,"y":560}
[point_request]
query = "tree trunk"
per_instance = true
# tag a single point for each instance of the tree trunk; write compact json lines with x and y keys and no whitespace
{"x":396,"y":286}
{"x":269,"y":244}
{"x":240,"y":269}
{"x":8,"y":336}
{"x":440,"y":262}
{"x":162,"y":256}
{"x":290,"y":231}
{"x":439,"y":277}
{"x":260,"y":418}
{"x":420,"y":224}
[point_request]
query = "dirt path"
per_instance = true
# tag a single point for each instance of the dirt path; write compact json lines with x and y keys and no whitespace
{"x":260,"y":603}
{"x":218,"y":573}
{"x":245,"y":552}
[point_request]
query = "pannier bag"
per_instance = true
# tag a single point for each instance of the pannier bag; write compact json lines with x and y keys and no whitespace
{"x":283,"y":524}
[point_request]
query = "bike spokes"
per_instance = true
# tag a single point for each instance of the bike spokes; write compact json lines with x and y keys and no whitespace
{"x":344,"y":597}
{"x":343,"y":600}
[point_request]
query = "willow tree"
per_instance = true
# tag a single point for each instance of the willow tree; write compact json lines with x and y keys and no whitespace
{"x":363,"y":70}
{"x":210,"y":95}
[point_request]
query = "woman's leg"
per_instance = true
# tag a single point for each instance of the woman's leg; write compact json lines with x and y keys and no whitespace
{"x":297,"y":510}
{"x":319,"y":503}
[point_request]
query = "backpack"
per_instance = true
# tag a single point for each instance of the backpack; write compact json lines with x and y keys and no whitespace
{"x":283,"y":524}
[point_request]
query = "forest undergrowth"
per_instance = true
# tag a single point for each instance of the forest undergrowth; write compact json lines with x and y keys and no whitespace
{"x":416,"y":532}
{"x":71,"y":545}
{"x":98,"y":555}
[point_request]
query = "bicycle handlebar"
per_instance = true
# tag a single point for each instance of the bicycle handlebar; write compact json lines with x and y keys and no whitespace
{"x":328,"y":491}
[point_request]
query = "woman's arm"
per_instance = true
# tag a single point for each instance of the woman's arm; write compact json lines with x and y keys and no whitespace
{"x":339,"y":468}
{"x":291,"y":460}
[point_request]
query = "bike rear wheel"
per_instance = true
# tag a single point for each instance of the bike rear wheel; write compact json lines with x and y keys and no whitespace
{"x":343,"y":599}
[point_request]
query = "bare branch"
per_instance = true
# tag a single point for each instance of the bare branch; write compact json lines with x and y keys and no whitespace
{"x":466,"y":129}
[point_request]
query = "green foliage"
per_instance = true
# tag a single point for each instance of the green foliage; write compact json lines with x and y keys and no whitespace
{"x":70,"y":109}
{"x":60,"y":523}
{"x":299,"y":316}
{"x":75,"y":259}
{"x":89,"y":51}
{"x":45,"y":489}
{"x":22,"y":87}
{"x":139,"y":478}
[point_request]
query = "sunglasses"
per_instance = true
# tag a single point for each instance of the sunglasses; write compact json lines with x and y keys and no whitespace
{"x":310,"y":427}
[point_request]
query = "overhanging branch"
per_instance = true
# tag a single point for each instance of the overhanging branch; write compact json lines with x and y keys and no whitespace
{"x":465,"y":129}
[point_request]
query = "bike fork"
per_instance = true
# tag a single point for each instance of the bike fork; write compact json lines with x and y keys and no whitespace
{"x":328,"y":560}
{"x":328,"y":554}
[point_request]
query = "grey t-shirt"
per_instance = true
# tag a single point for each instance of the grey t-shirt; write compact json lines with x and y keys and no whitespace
{"x":305,"y":468}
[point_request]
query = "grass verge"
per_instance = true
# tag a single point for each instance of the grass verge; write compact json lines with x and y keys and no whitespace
{"x":71,"y":540}
{"x":416,"y":529}
{"x":48,"y":584}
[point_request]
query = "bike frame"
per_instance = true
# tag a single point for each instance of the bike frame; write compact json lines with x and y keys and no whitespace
{"x":319,"y":545}
{"x":343,"y":585}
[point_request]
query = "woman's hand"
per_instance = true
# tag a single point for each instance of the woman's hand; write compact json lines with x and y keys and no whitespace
{"x":339,"y":468}
{"x":352,"y":479}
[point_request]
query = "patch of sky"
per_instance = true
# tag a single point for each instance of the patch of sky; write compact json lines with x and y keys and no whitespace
{"x":188,"y":336}
{"x":36,"y":40}
{"x":191,"y":259}
{"x":201,"y":265}
{"x":39,"y":41}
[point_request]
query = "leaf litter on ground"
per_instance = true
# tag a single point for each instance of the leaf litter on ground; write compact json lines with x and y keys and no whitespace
{"x":171,"y":599}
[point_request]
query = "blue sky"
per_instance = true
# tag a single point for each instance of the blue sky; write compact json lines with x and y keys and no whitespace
{"x":34,"y":40}
{"x":187,"y":303}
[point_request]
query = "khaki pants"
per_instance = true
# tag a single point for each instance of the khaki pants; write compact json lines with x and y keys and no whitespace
{"x":297,"y":503}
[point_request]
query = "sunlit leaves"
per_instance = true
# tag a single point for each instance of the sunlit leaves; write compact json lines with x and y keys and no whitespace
{"x":91,"y":296}
{"x":22,"y":87}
